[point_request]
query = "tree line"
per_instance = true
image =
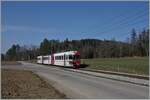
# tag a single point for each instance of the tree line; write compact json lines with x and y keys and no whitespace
{"x":138,"y":45}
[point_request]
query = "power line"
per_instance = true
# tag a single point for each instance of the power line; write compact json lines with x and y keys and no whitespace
{"x":97,"y":26}
{"x":118,"y":28}
{"x":125,"y":23}
{"x":124,"y":19}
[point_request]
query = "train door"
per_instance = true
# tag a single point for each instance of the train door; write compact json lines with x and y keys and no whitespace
{"x":49,"y":59}
{"x":64,"y":60}
{"x":42,"y":59}
{"x":52,"y":59}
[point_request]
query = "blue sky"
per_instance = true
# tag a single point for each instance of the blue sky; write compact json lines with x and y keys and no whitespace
{"x":27,"y":23}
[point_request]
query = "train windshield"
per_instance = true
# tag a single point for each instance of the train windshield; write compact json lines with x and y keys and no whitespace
{"x":74,"y":57}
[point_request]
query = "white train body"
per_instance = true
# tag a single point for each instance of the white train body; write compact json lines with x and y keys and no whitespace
{"x":39,"y":59}
{"x":70,"y":59}
{"x":46,"y":59}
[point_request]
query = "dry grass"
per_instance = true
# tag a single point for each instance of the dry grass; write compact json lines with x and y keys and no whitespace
{"x":10,"y":63}
{"x":20,"y":84}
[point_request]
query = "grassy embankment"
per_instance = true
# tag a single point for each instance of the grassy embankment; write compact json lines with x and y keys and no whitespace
{"x":135,"y":65}
{"x":10,"y":63}
{"x":21,"y":84}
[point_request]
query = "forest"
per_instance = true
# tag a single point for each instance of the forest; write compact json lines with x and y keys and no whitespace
{"x":137,"y":45}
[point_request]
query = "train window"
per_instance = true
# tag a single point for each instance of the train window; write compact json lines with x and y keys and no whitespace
{"x":70,"y":56}
{"x":65,"y":56}
{"x":45,"y":58}
{"x":59,"y":57}
{"x":39,"y":58}
{"x":56,"y":57}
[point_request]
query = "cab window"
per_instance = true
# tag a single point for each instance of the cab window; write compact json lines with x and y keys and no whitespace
{"x":77,"y":57}
{"x":70,"y":56}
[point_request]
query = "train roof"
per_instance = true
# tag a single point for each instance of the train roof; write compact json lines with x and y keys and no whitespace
{"x":61,"y":53}
{"x":39,"y":56}
{"x":67,"y":52}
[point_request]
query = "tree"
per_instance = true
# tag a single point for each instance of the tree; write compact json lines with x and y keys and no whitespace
{"x":133,"y":37}
{"x":89,"y":48}
{"x":2,"y":57}
{"x":133,"y":43}
{"x":45,"y":47}
{"x":143,"y":43}
{"x":12,"y":52}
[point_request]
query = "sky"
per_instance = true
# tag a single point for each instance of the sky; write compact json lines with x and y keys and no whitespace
{"x":29,"y":22}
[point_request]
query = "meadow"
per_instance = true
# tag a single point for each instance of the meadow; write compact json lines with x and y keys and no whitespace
{"x":134,"y":65}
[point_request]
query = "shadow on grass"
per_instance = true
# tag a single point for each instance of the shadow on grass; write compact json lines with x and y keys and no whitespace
{"x":83,"y":65}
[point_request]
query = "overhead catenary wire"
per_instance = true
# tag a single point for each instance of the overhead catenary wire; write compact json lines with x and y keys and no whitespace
{"x":122,"y":21}
{"x":121,"y":28}
{"x":126,"y":21}
{"x":117,"y":26}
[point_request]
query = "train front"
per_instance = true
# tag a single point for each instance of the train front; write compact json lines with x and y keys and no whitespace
{"x":76,"y":59}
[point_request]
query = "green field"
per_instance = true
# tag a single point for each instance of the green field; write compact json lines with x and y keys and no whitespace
{"x":135,"y":65}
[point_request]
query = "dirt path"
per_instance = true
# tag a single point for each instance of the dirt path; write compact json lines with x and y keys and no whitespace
{"x":20,"y":84}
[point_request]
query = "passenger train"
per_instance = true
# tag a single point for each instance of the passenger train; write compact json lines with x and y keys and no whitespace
{"x":68,"y":59}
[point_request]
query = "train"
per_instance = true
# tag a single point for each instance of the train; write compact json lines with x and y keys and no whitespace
{"x":66,"y":59}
